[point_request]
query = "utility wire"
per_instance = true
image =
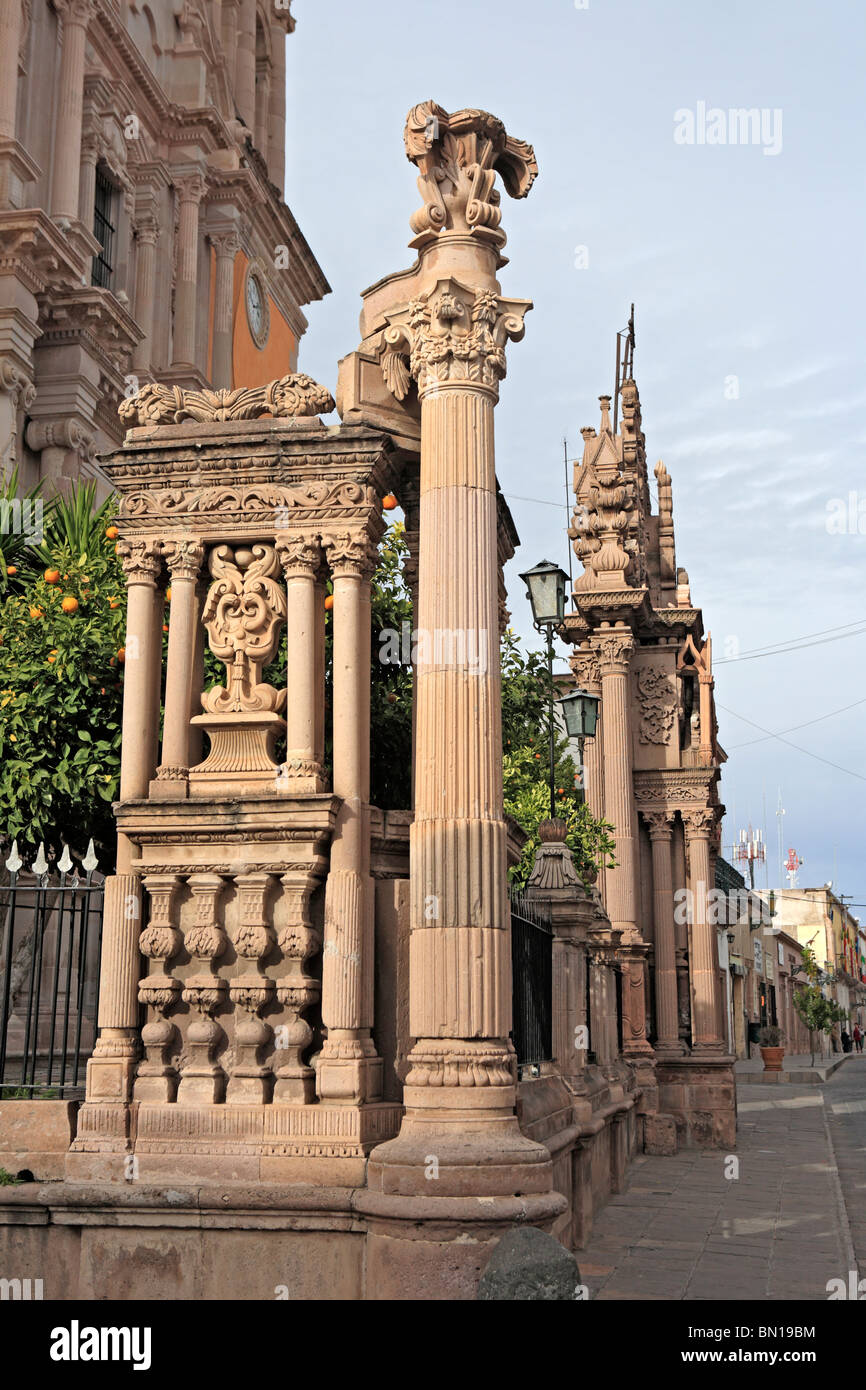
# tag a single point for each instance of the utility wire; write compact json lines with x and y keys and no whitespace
{"x":787,"y":741}
{"x":794,"y":727}
{"x":795,"y":644}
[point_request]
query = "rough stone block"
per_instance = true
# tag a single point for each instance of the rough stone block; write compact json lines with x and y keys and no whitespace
{"x":529,"y":1265}
{"x":660,"y":1135}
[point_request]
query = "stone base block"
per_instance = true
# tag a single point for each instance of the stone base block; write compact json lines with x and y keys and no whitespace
{"x":660,"y":1135}
{"x":35,"y":1134}
{"x":701,"y":1096}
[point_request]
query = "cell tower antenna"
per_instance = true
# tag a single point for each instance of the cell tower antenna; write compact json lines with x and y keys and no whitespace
{"x":750,"y":850}
{"x":624,"y":362}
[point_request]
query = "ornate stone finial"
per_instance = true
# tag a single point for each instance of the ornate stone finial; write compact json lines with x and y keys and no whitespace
{"x":605,"y":414}
{"x":293,"y":395}
{"x":458,"y":157}
{"x":554,"y":865}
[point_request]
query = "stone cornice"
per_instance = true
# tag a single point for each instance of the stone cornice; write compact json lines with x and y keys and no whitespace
{"x":34,"y":248}
{"x":665,"y":790}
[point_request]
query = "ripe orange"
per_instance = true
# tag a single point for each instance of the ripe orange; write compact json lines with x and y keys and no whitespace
{"x":538,"y":755}
{"x":50,"y":658}
{"x":52,"y":576}
{"x":36,"y":613}
{"x":111,"y":533}
{"x":389,"y":502}
{"x":329,"y":603}
{"x":121,"y":655}
{"x":165,"y":627}
{"x":168,"y":594}
{"x":69,"y":604}
{"x":114,"y":603}
{"x":11,"y":569}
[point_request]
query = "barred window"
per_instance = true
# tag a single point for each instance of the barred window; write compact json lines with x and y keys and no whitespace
{"x":103,"y":230}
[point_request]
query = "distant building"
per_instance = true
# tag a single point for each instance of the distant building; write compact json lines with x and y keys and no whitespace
{"x":817,"y":917}
{"x":143,"y":232}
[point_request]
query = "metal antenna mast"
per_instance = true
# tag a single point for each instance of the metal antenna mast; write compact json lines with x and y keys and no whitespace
{"x":624,"y":361}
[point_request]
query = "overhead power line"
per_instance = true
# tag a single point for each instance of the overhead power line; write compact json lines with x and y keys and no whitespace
{"x":796,"y":643}
{"x":794,"y":727}
{"x":797,"y":746}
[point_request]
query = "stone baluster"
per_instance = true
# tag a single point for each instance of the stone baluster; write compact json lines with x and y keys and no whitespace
{"x":667,"y":1022}
{"x":183,"y":557}
{"x":156,"y":1079}
{"x":190,"y":191}
{"x":349,"y":1068}
{"x":250,"y":1079}
{"x":301,"y":561}
{"x":707,"y":1035}
{"x":70,"y":108}
{"x":226,"y":248}
{"x":297,"y":991}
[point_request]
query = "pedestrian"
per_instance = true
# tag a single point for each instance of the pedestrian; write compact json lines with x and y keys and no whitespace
{"x":846,"y":1040}
{"x":858,"y":1038}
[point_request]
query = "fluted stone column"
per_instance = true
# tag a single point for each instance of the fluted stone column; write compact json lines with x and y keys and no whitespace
{"x":245,"y":64}
{"x":276,"y":151}
{"x":184,"y":559}
{"x":87,"y":180}
{"x":615,"y":647}
{"x":263,"y":108}
{"x":302,"y":770}
{"x":707,"y":1034}
{"x":110,"y":1071}
{"x":190,"y":192}
{"x":349,"y":1069}
{"x":145,"y":287}
{"x":70,"y":106}
{"x":10,"y":41}
{"x":226,"y":248}
{"x":667,"y":1021}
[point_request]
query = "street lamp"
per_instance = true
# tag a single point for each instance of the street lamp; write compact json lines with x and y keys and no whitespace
{"x":580,"y":713}
{"x":545,"y":584}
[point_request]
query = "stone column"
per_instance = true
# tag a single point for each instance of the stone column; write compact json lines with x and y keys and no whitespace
{"x":10,"y":40}
{"x":706,"y":1024}
{"x":229,"y":28}
{"x":226,"y":247}
{"x":110,"y":1071}
{"x":349,"y":1070}
{"x":190,"y":192}
{"x":87,"y":180}
{"x":660,"y":826}
{"x":302,"y":770}
{"x":70,"y":105}
{"x":184,"y":559}
{"x":276,"y":151}
{"x":145,"y":287}
{"x":263,"y":108}
{"x":245,"y":64}
{"x":615,"y":647}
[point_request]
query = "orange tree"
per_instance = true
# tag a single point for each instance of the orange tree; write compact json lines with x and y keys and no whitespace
{"x":62,"y":621}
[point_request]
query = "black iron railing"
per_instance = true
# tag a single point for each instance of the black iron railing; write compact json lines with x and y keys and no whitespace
{"x":532,"y":980}
{"x":50,"y":946}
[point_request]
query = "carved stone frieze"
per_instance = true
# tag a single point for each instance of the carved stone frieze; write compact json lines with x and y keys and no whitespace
{"x":281,"y":503}
{"x":243,"y":612}
{"x":293,"y":395}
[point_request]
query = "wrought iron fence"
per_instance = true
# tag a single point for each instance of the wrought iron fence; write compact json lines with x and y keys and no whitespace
{"x":532,"y":980}
{"x":50,"y":947}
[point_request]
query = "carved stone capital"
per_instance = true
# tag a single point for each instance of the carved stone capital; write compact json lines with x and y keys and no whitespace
{"x":299,"y":555}
{"x":141,"y":560}
{"x":183,"y":557}
{"x":191,"y":188}
{"x":615,"y":650}
{"x":451,"y":336}
{"x":699,"y":823}
{"x":659,"y":824}
{"x":587,"y":668}
{"x":293,"y":395}
{"x":350,"y":555}
{"x":458,"y":157}
{"x":226,"y":244}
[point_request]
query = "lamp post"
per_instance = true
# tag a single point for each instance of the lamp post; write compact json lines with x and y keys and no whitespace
{"x":580,"y":713}
{"x":545,"y":584}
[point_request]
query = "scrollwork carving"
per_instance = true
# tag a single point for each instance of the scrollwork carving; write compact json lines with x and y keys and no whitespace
{"x":243,"y":612}
{"x":657,"y":703}
{"x":293,"y":395}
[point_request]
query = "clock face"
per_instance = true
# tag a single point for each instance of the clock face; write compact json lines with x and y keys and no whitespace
{"x":255,"y":306}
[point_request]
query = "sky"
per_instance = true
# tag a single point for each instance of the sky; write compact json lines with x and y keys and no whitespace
{"x":743,"y":261}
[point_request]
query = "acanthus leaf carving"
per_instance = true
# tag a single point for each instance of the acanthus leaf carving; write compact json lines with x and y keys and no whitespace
{"x":293,"y":395}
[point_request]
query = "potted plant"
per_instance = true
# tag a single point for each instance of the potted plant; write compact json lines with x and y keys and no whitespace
{"x":771,"y":1043}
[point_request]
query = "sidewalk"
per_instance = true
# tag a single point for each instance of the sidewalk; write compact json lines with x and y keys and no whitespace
{"x":797,"y":1068}
{"x":775,"y":1219}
